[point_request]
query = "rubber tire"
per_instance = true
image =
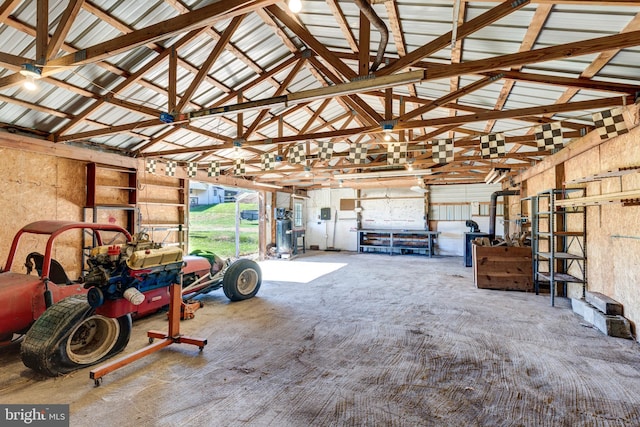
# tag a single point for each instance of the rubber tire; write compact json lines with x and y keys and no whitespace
{"x":242,"y":280}
{"x":46,"y":346}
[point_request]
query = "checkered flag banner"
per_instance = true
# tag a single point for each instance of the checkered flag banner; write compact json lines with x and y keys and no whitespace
{"x":442,"y":151}
{"x":549,"y":136}
{"x":268,"y":161}
{"x":396,"y":153}
{"x":610,"y":123}
{"x":239,"y":167}
{"x":325,"y":150}
{"x":357,"y":153}
{"x":151,"y":166}
{"x":214,"y":169}
{"x":296,"y":154}
{"x":192,"y":169}
{"x":171,"y":169}
{"x":492,"y":146}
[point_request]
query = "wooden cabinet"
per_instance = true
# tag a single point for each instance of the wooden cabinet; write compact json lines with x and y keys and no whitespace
{"x":111,"y":196}
{"x":153,"y":204}
{"x":164,"y":210}
{"x":397,"y":241}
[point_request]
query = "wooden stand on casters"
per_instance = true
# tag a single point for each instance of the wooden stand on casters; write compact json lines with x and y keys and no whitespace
{"x":166,"y":339}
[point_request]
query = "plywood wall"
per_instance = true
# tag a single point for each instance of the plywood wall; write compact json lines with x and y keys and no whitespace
{"x":37,"y":186}
{"x":613,"y":230}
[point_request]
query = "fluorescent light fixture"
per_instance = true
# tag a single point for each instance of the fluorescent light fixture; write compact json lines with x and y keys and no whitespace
{"x":267,"y":185}
{"x":418,"y":189}
{"x":496,"y":175}
{"x":383,"y":174}
{"x":295,"y":6}
{"x":356,"y":86}
{"x":362,"y":84}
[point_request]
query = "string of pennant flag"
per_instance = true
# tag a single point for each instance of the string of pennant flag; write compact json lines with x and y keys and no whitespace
{"x":548,"y":136}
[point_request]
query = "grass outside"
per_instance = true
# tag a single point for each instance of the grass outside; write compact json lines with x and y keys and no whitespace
{"x":213,"y":228}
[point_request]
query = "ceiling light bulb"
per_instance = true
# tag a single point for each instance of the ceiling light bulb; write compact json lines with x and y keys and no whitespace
{"x":410,"y":167}
{"x":30,"y":84}
{"x":295,"y":6}
{"x":387,"y":137}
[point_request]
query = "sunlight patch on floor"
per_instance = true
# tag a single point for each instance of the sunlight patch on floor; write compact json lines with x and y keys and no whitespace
{"x":296,"y":271}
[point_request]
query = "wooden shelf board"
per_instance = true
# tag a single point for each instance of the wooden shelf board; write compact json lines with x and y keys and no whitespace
{"x":160,"y":203}
{"x":116,"y":187}
{"x":559,"y":277}
{"x":600,"y":176}
{"x":599,"y":199}
{"x":112,"y":206}
{"x":561,"y":255}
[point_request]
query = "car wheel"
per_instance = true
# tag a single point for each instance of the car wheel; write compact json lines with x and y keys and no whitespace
{"x":69,"y":336}
{"x":242,"y":280}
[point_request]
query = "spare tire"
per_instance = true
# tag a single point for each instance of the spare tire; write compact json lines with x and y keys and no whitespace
{"x":69,"y":336}
{"x":242,"y":280}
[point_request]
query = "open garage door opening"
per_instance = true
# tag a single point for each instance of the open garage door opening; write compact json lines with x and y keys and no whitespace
{"x":223,"y":220}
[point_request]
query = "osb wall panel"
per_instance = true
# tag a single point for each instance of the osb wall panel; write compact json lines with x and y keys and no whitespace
{"x":40,"y":187}
{"x":37,"y":186}
{"x":613,"y":230}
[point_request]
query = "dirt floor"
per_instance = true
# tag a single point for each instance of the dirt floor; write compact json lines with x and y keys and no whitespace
{"x":344,"y":339}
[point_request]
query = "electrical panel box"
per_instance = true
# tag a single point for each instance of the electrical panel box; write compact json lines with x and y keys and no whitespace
{"x":325,"y":213}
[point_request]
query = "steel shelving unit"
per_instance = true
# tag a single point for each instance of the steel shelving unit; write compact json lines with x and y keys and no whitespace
{"x":559,"y":241}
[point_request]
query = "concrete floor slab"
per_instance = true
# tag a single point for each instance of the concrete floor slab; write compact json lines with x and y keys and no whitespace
{"x":381,"y":340}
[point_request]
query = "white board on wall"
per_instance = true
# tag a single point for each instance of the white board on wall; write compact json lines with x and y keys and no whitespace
{"x":392,"y":208}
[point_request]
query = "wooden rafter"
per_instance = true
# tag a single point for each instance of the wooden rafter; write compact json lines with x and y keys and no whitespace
{"x":133,"y":78}
{"x":208,"y":63}
{"x":202,"y":17}
{"x":584,"y":47}
{"x":444,"y":40}
{"x":7,"y":7}
{"x":341,"y":20}
{"x":360,"y":119}
{"x":468,"y":118}
{"x":67,"y":18}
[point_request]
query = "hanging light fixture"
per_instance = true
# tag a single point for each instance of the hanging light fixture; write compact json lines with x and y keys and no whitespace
{"x":31,"y":73}
{"x":295,"y":6}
